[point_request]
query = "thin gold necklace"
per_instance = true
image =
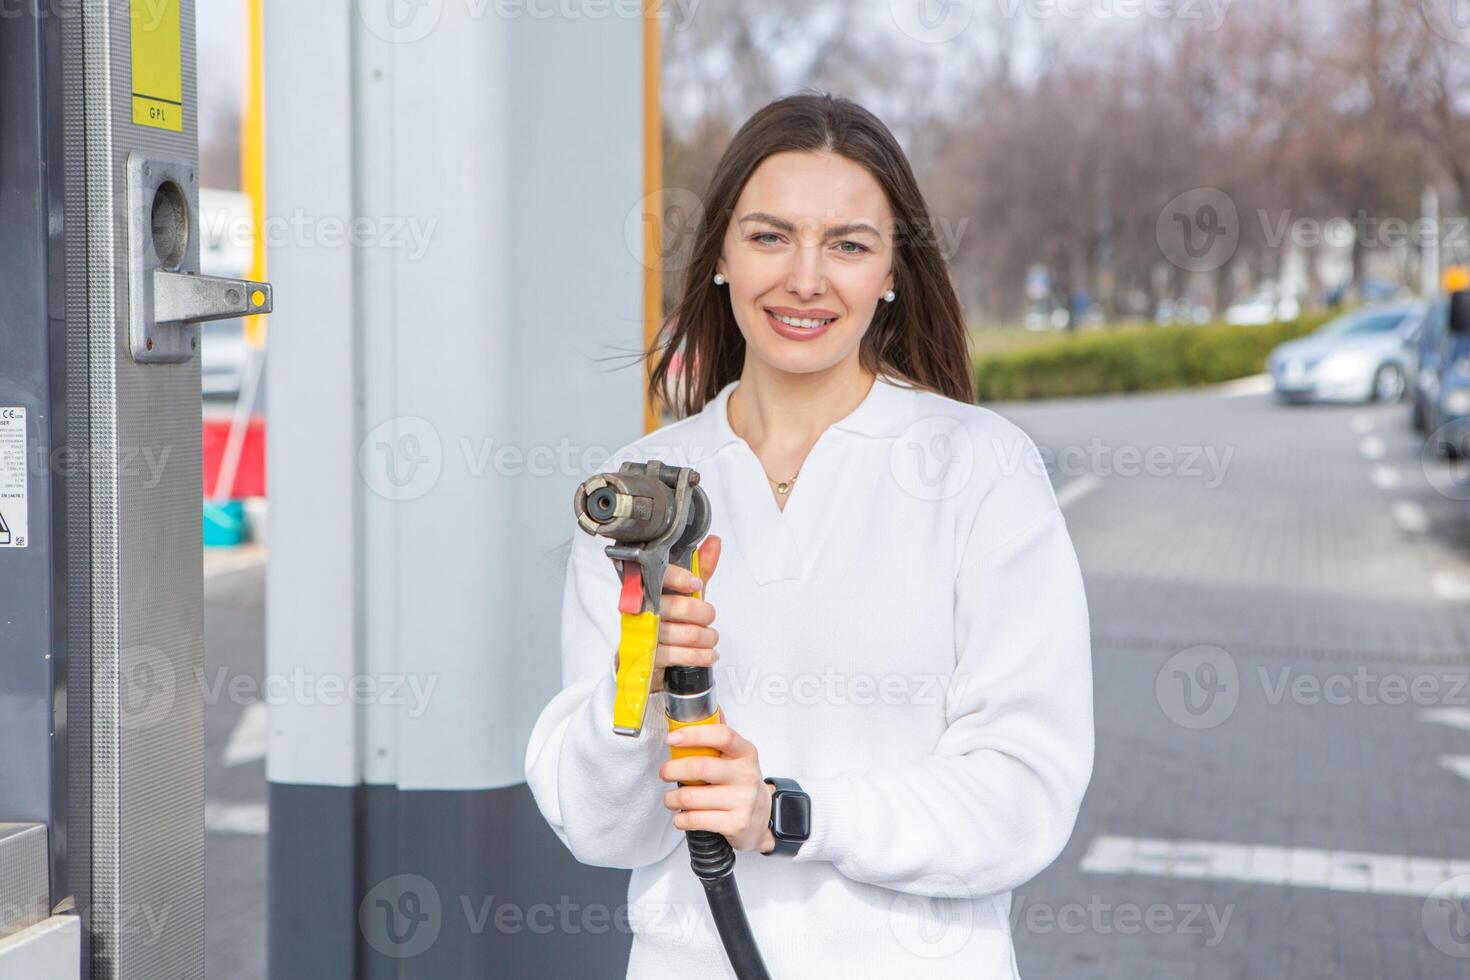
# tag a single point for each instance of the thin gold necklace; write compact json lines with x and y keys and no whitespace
{"x":782,"y":488}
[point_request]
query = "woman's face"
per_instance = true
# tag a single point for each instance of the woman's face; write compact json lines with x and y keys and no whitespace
{"x":810,"y":240}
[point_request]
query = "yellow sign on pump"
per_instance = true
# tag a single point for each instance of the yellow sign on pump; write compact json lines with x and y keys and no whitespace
{"x":158,"y":70}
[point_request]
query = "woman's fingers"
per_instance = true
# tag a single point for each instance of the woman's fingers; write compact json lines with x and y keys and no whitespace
{"x":682,"y":609}
{"x":709,"y":555}
{"x":671,"y":656}
{"x":704,"y":769}
{"x":687,"y":634}
{"x":678,"y":579}
{"x":714,"y":797}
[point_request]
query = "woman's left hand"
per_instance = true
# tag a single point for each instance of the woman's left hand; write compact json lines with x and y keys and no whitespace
{"x":737,"y":800}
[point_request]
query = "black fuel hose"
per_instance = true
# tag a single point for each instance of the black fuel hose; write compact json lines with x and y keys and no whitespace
{"x":713,"y":860}
{"x":690,"y":695}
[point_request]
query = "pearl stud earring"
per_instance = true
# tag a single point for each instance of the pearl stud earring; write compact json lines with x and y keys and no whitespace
{"x":719,"y":278}
{"x":890,"y":296}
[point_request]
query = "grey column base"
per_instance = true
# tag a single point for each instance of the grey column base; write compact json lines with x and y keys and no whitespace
{"x":375,"y":882}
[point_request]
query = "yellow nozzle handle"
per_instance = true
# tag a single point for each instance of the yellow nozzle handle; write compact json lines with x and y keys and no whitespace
{"x":680,"y":751}
{"x":636,"y":648}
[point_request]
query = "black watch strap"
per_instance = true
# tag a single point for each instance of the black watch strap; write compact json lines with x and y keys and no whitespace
{"x":791,"y":815}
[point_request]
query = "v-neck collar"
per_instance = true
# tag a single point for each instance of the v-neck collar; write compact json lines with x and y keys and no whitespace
{"x":882,"y":412}
{"x":766,"y":532}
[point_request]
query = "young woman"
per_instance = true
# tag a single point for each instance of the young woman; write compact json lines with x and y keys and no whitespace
{"x":903,"y":636}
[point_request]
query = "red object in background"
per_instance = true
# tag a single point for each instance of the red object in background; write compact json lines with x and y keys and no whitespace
{"x":250,"y":472}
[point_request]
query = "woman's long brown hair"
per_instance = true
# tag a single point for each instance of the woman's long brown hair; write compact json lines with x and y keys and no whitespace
{"x":920,"y":337}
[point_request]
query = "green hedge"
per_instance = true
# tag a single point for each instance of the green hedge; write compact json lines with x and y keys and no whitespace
{"x":1134,"y":358}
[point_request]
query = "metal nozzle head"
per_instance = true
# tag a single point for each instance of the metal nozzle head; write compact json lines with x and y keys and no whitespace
{"x":688,"y":680}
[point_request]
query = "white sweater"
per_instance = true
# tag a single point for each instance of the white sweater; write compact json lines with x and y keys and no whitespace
{"x":908,"y":639}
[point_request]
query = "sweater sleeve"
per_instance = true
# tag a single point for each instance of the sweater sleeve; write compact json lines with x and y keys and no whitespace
{"x":996,"y":800}
{"x":599,"y":791}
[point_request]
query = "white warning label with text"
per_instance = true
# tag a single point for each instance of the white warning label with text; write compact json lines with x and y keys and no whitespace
{"x":14,"y":507}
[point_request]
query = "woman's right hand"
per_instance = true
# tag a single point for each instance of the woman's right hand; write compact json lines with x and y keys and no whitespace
{"x":685,"y":636}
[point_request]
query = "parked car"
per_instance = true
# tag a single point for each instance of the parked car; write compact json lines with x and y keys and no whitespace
{"x":1267,"y":305}
{"x":1360,"y":356}
{"x":1446,"y":400}
{"x":1424,"y":365}
{"x":222,"y":356}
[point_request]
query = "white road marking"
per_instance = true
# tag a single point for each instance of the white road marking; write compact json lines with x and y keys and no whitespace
{"x":1372,"y":447}
{"x":248,"y":741}
{"x":1386,"y":477}
{"x":1410,"y":516}
{"x":1354,"y":871}
{"x":1075,"y":490}
{"x":1454,"y":717}
{"x":1362,"y":423}
{"x":236,"y":818}
{"x":1457,"y":764}
{"x":1453,"y":586}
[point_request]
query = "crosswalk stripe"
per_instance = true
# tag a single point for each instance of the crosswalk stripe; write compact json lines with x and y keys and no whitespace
{"x":1355,"y":871}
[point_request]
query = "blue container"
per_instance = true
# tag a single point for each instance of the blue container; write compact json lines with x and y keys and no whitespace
{"x":225,"y":524}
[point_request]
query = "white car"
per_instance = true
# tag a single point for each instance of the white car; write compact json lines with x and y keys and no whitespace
{"x":222,"y":356}
{"x":1262,"y":308}
{"x":1363,"y":355}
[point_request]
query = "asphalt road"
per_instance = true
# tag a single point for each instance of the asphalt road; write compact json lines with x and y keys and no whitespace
{"x":1280,"y":602}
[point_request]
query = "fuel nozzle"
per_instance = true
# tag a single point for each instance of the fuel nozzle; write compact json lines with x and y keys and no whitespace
{"x":656,"y":514}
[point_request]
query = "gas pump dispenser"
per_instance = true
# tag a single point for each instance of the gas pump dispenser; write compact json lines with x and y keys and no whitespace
{"x":101,"y":647}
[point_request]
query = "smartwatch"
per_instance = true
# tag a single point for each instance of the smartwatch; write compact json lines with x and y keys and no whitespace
{"x":791,"y":816}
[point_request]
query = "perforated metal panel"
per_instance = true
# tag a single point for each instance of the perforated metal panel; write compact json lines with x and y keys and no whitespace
{"x":135,"y":706}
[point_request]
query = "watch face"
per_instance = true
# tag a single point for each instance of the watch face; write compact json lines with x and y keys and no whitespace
{"x":793,"y":816}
